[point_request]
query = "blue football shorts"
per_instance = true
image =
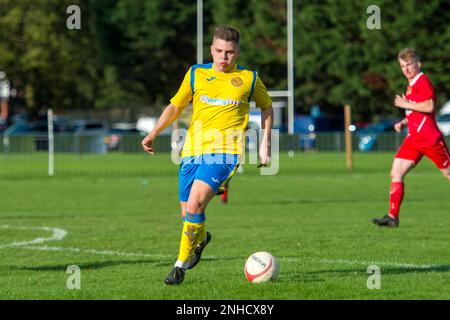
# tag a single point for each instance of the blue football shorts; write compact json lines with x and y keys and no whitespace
{"x":214,"y":169}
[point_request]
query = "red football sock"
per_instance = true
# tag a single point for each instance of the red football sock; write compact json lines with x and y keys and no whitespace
{"x":395,"y":198}
{"x":224,"y":195}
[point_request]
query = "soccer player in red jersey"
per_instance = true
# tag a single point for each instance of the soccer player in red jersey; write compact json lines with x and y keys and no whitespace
{"x":224,"y":195}
{"x":423,"y":138}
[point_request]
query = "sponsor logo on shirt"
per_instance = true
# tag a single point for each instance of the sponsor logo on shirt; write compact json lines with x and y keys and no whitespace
{"x":219,"y":101}
{"x":210,"y":78}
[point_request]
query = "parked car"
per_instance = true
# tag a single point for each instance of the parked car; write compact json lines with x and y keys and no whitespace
{"x":88,"y":135}
{"x":445,"y":109}
{"x":38,"y":129}
{"x":146,"y":124}
{"x":367,"y":136}
{"x":443,"y":123}
{"x":87,"y":126}
{"x":307,"y":127}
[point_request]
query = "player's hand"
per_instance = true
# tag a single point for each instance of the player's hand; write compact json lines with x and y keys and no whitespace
{"x":261,"y":165}
{"x":399,"y":126}
{"x":264,"y":156}
{"x":147,"y":144}
{"x":400,"y":102}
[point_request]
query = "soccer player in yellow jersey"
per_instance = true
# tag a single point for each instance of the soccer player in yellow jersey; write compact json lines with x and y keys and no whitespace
{"x":220,"y":92}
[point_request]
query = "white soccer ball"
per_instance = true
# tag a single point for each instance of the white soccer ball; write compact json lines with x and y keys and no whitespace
{"x":261,"y":267}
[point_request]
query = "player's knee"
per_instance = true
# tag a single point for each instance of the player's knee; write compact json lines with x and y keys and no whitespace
{"x":446,"y":173}
{"x":392,"y":175}
{"x":196,"y":206}
{"x":396,"y":175}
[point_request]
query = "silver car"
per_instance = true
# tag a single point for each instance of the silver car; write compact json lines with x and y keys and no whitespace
{"x":443,"y":123}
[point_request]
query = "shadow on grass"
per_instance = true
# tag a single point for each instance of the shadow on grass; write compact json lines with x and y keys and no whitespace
{"x":89,"y":265}
{"x":386,"y":270}
{"x":303,"y":201}
{"x":323,"y":275}
{"x":305,"y":277}
{"x":106,"y":264}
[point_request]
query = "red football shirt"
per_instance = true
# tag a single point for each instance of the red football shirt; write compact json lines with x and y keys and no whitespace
{"x":420,"y":124}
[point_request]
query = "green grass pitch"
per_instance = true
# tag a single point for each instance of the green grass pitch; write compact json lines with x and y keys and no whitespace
{"x":118,"y":220}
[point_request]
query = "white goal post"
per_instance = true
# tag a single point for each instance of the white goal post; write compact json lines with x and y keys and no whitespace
{"x":289,"y":93}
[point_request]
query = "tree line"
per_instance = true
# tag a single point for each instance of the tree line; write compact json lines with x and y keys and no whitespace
{"x":133,"y":52}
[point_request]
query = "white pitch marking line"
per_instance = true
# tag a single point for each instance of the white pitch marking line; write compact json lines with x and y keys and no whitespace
{"x":57,"y":235}
{"x":99,"y":252}
{"x":388,"y":263}
{"x":365,"y":263}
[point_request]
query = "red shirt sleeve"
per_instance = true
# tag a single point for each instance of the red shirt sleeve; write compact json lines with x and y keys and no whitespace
{"x":424,"y":90}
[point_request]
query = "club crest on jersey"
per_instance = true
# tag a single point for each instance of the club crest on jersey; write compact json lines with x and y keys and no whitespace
{"x":408,"y":91}
{"x":236,"y":81}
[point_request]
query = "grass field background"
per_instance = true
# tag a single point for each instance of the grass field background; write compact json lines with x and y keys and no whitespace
{"x":121,"y":215}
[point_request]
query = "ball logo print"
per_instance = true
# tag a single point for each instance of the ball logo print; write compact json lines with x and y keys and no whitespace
{"x":261,"y":267}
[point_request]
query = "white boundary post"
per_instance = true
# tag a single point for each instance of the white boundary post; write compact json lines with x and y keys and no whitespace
{"x":289,"y":93}
{"x":348,"y":137}
{"x":290,"y":66}
{"x":199,"y":31}
{"x":51,"y":147}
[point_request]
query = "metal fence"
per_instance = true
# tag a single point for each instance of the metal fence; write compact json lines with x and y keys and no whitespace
{"x":77,"y":154}
{"x":100,"y":144}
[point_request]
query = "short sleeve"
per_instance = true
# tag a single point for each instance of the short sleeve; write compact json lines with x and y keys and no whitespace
{"x":260,"y":95}
{"x":184,"y":94}
{"x":425,"y":90}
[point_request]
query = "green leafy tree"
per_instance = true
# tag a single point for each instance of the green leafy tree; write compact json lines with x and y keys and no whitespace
{"x":136,"y":52}
{"x":263,"y":36}
{"x":339,"y":60}
{"x":149,"y":45}
{"x":49,"y":64}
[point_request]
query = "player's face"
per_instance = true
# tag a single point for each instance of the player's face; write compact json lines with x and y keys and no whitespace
{"x":410,"y":68}
{"x":224,"y":54}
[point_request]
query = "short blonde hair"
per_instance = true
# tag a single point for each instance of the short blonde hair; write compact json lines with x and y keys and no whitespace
{"x":227,"y":33}
{"x":408,"y":54}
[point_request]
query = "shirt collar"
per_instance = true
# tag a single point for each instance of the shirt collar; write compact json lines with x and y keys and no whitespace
{"x":414,"y":80}
{"x":218,"y":72}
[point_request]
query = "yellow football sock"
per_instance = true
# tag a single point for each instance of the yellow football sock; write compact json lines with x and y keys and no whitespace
{"x":193,"y":233}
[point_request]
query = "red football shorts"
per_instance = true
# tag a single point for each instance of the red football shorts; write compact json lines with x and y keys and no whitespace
{"x":414,"y":149}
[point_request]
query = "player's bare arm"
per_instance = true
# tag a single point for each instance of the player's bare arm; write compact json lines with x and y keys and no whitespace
{"x":267,"y":124}
{"x":426,"y":106}
{"x":169,"y":115}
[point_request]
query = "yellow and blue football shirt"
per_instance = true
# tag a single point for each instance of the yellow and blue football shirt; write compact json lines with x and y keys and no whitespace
{"x":221,"y":103}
